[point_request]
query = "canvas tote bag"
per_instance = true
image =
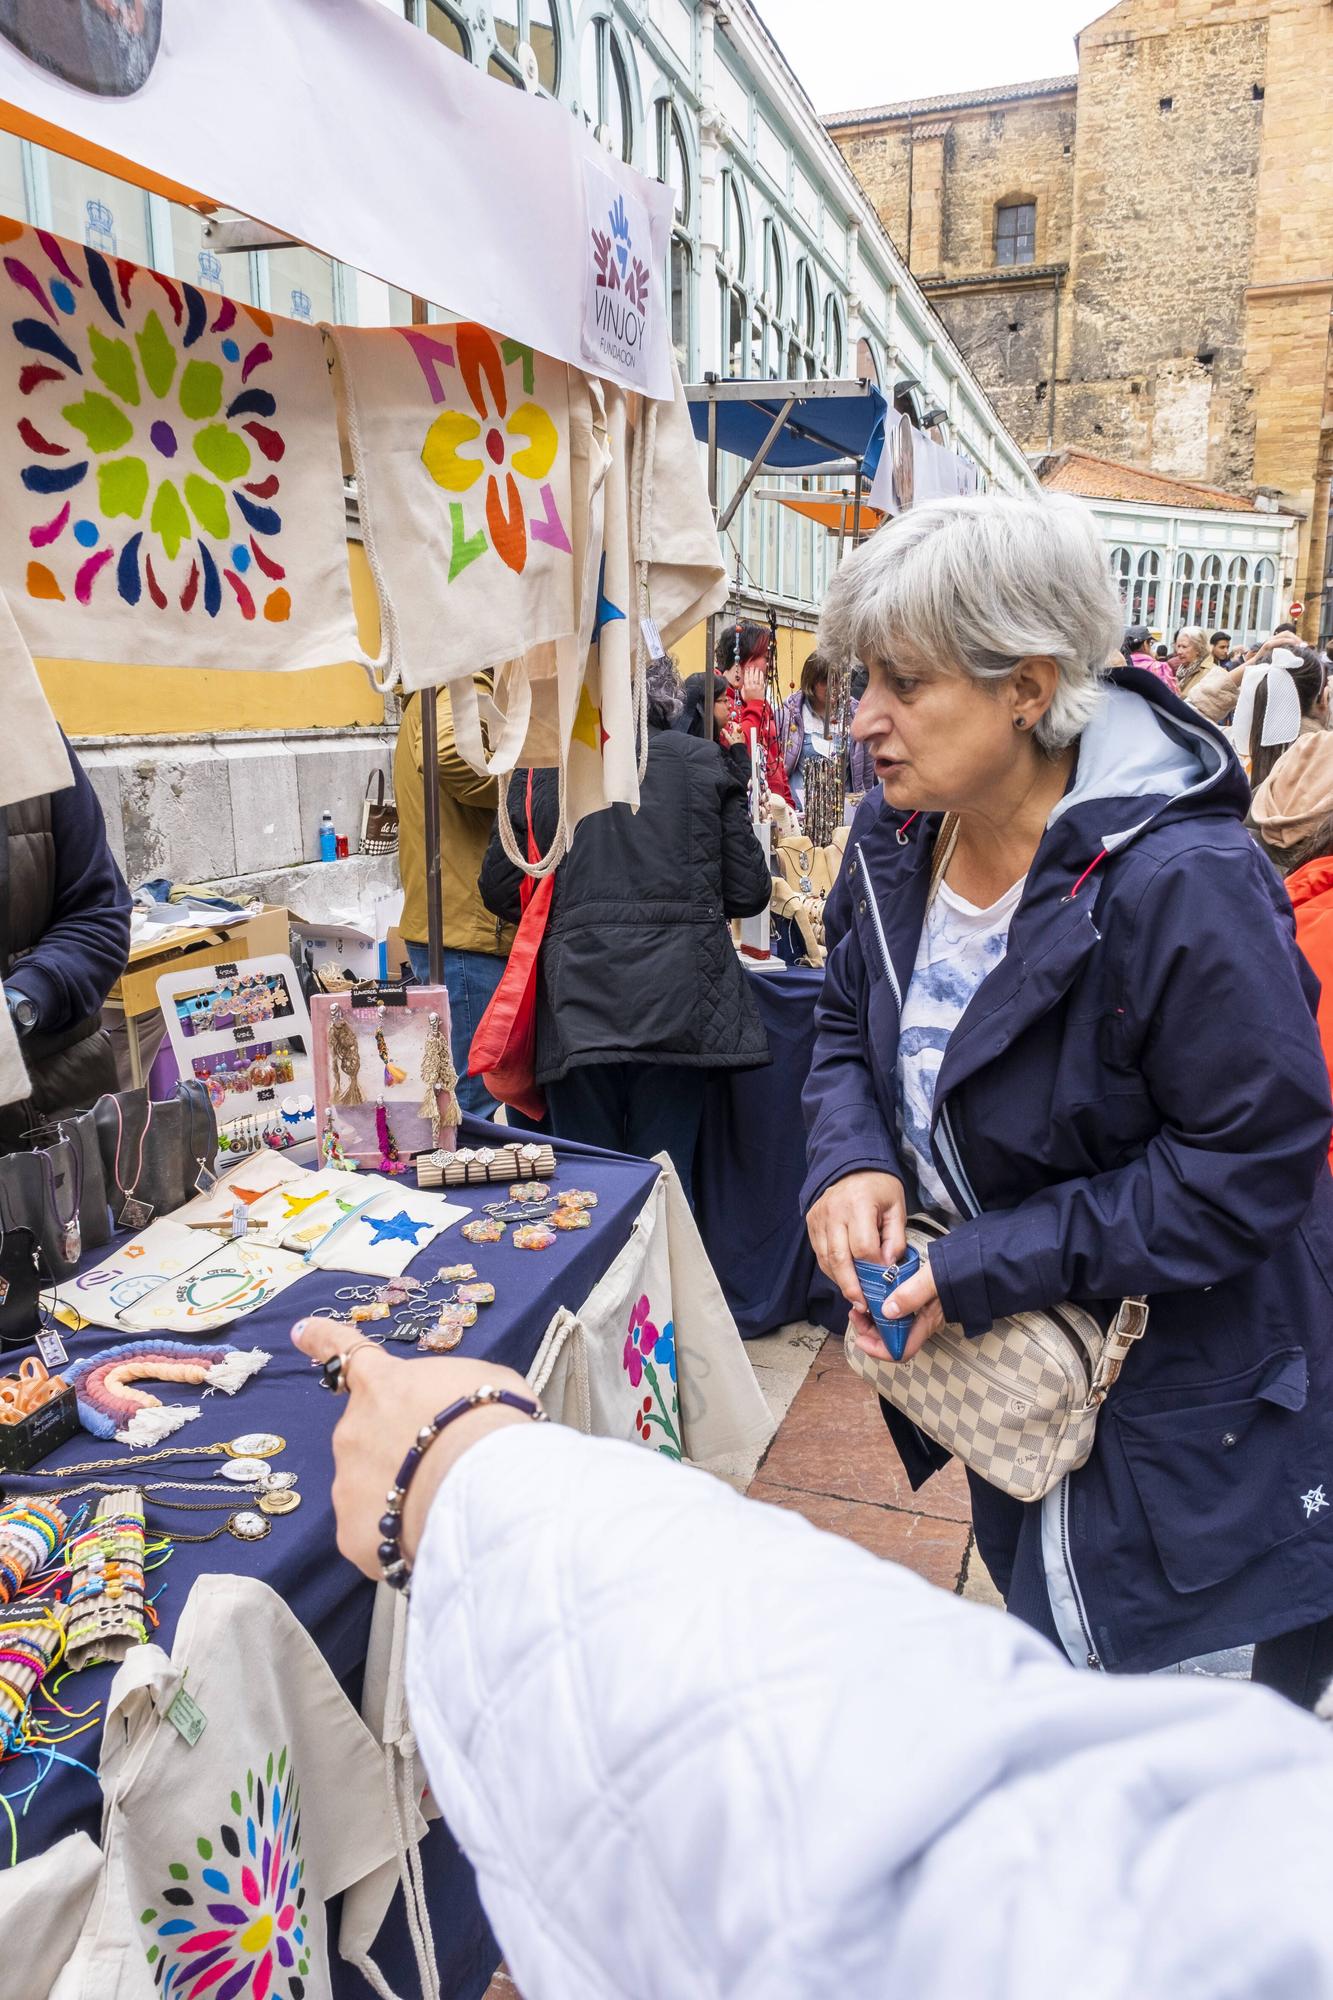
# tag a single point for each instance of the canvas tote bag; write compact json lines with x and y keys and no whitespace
{"x":171,"y":482}
{"x":227,"y":1829}
{"x":504,"y":1047}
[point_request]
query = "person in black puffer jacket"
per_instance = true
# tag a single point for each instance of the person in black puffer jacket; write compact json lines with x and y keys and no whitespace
{"x":640,"y":992}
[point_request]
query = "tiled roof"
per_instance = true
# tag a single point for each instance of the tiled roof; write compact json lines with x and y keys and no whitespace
{"x":963,"y":100}
{"x":1107,"y":479}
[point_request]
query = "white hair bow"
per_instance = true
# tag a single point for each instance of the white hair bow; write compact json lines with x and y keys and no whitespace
{"x":1282,"y":715}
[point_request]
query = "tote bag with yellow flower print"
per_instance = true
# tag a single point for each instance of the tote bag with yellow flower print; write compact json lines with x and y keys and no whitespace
{"x":460,"y":445}
{"x":170,"y":476}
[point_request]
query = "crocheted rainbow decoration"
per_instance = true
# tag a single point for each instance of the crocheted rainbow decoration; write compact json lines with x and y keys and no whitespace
{"x":109,"y":1406}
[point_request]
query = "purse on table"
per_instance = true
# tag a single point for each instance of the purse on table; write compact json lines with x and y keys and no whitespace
{"x":1019,"y":1403}
{"x":155,"y":1157}
{"x":379,"y":819}
{"x":41,"y":1240}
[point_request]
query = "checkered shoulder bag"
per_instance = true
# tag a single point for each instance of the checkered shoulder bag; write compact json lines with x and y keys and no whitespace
{"x":1018,"y":1404}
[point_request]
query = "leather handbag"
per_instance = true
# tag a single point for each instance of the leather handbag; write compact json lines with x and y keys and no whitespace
{"x":40,"y":1195}
{"x":379,"y":819}
{"x":504,"y":1047}
{"x":155,"y":1157}
{"x":94,"y":1208}
{"x":1018,"y":1403}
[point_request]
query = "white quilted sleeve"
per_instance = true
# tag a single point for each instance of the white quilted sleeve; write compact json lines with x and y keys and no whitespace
{"x":694,"y":1747}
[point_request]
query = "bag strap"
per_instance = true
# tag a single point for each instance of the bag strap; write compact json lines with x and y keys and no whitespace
{"x":1129,"y":1325}
{"x":534,"y":852}
{"x":945,"y":842}
{"x":376,"y":782}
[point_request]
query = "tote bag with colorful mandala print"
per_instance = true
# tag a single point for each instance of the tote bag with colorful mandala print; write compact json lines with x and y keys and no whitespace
{"x":223,"y":1843}
{"x":170,"y":479}
{"x":460,"y":443}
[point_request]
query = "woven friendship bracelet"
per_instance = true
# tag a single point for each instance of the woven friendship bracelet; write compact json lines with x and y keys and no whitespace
{"x":106,"y":1589}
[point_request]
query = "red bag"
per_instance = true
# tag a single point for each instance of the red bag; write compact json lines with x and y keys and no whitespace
{"x":504,"y":1048}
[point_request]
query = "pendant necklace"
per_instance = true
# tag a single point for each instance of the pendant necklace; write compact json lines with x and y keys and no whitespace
{"x":134,"y":1214}
{"x":251,"y":1445}
{"x":70,"y":1233}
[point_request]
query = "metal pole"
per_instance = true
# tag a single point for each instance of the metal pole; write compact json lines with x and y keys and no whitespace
{"x":430,"y":784}
{"x":856,"y":506}
{"x":710,"y":673}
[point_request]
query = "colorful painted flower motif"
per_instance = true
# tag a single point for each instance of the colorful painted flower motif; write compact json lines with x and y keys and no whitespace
{"x":158,"y":410}
{"x":488,"y":439}
{"x":233,"y":1924}
{"x":648,"y":1349}
{"x":614,"y":268}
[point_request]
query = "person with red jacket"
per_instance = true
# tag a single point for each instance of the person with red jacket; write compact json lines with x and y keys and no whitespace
{"x":752,"y":711}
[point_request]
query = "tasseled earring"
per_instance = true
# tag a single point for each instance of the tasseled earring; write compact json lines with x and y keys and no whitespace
{"x":344,"y":1060}
{"x":392,"y":1073}
{"x":439,"y":1075}
{"x":389,"y":1160}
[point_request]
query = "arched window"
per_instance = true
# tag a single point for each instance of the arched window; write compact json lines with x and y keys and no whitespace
{"x":1120,"y":569}
{"x":1210,"y":591}
{"x":833,"y":338}
{"x":1143,"y":598}
{"x":867,"y":362}
{"x":1236,"y":596}
{"x":604,"y":82}
{"x":1265,"y":579}
{"x":1182,"y":593}
{"x":673,"y":167}
{"x":444,"y":25}
{"x":533,"y":22}
{"x":737,"y":329}
{"x":803,"y":350}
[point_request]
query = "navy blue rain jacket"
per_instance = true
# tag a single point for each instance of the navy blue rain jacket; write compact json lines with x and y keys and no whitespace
{"x":1135,"y":1100}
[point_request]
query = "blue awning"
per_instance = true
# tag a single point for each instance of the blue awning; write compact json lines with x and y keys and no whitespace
{"x":818,"y":429}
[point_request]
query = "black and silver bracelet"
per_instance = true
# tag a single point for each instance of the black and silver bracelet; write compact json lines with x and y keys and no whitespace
{"x":394,"y":1566}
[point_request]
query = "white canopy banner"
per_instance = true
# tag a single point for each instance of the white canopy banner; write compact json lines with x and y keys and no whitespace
{"x":337,"y":123}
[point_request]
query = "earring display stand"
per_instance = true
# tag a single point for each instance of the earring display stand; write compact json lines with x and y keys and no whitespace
{"x":401,"y":1014}
{"x":248,"y":1058}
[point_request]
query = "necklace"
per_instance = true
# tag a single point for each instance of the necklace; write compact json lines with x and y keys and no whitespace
{"x":251,"y":1444}
{"x":246,"y":1526}
{"x":70,"y":1233}
{"x":205,"y":1179}
{"x":134,"y":1214}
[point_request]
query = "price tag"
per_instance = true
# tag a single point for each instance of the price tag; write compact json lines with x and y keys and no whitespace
{"x":652,"y":638}
{"x":52,"y":1348}
{"x":187,"y":1718}
{"x":243,"y":1034}
{"x":228,"y":971}
{"x":265,"y":1096}
{"x":240,"y":1219}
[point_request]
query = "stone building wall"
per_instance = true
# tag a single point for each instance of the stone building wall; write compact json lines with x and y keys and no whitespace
{"x":1184,"y":243}
{"x":1166,"y":167}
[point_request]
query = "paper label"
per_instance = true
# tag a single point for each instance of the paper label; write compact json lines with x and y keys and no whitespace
{"x":187,"y":1718}
{"x":652,"y":638}
{"x":225,"y":971}
{"x":240,"y":1220}
{"x":243,"y":1034}
{"x":51,"y":1347}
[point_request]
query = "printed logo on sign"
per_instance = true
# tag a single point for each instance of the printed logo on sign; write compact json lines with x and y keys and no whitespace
{"x":616,"y":328}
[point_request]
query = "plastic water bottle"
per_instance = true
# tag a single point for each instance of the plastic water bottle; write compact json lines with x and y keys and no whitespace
{"x":328,"y":839}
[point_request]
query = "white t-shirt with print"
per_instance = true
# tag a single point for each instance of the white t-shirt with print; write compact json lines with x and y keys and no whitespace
{"x":960,"y":945}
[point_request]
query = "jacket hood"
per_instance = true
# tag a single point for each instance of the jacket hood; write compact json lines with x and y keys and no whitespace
{"x":1312,"y":883}
{"x":1145,"y":756}
{"x":1297,"y":795}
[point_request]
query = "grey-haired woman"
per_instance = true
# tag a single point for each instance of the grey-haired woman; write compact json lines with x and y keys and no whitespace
{"x":1011,"y":1036}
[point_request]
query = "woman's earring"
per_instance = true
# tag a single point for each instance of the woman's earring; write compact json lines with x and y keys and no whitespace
{"x":1020,"y":722}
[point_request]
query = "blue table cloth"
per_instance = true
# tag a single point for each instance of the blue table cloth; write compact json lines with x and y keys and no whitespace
{"x":750,"y":1166}
{"x":299,"y":1559}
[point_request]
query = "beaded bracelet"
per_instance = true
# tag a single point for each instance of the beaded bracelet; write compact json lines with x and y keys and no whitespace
{"x":394,"y":1566}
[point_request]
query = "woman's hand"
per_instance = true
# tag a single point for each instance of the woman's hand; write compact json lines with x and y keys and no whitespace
{"x":754,"y":680}
{"x":388,"y":1403}
{"x":863,"y":1216}
{"x":915,"y":1299}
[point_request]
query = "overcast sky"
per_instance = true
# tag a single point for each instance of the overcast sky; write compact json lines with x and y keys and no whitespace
{"x":850,"y":53}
